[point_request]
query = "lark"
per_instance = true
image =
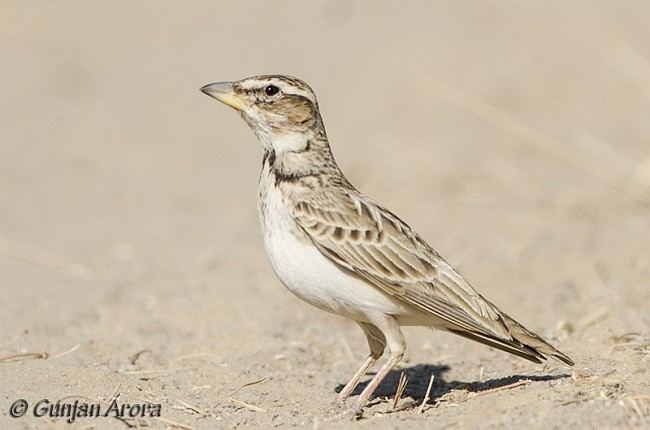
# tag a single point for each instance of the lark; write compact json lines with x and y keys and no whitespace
{"x":339,"y":250}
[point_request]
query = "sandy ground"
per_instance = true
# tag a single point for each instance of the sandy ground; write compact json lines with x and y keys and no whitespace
{"x":512,"y":135}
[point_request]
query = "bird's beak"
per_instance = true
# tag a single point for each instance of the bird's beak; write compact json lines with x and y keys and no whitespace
{"x":224,"y":92}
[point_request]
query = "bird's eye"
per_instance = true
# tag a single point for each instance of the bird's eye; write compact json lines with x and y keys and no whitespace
{"x":271,"y":90}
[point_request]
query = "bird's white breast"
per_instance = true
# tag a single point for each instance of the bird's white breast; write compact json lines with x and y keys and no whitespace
{"x":305,"y":271}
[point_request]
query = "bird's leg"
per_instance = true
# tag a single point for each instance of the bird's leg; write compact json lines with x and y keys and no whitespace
{"x":397,"y":346}
{"x":376,"y":342}
{"x":374,"y":383}
{"x":352,"y":384}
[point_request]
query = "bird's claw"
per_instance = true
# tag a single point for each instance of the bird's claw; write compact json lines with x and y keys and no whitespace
{"x":351,"y":414}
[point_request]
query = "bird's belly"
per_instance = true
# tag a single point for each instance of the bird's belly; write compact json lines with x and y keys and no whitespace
{"x":313,"y":277}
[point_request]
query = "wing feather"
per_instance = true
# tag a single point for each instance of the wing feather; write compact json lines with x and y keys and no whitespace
{"x":369,"y":240}
{"x":387,"y":252}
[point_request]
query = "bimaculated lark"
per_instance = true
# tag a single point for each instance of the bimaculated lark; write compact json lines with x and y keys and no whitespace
{"x":342,"y":252}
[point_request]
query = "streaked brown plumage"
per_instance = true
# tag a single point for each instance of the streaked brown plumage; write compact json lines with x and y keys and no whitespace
{"x":369,"y":240}
{"x":339,"y":250}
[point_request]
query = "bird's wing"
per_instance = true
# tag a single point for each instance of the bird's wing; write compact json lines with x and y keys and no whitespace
{"x":360,"y":235}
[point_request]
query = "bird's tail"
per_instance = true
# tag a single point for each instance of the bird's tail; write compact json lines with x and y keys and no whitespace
{"x":523,"y":342}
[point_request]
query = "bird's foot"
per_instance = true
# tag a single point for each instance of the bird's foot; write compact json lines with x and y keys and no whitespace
{"x":337,"y":409}
{"x":351,"y":414}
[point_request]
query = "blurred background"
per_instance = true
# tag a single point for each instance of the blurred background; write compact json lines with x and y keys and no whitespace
{"x":512,"y":135}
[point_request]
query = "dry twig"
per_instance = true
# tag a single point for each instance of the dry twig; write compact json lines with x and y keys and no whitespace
{"x":244,"y":404}
{"x":401,"y":386}
{"x":426,"y":396}
{"x":588,"y":162}
{"x":503,"y":388}
{"x":69,"y":351}
{"x":187,"y":406}
{"x":25,"y":356}
{"x":248,"y":384}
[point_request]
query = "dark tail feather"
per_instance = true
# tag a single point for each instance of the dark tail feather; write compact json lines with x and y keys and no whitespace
{"x":524,"y":343}
{"x":518,"y":350}
{"x":531,"y":340}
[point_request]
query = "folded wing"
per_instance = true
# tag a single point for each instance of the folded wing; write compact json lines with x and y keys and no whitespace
{"x":361,"y":236}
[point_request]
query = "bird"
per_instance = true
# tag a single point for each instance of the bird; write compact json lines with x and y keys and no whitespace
{"x":342,"y":252}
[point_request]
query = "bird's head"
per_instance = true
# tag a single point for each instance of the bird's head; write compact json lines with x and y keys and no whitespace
{"x":281,"y":110}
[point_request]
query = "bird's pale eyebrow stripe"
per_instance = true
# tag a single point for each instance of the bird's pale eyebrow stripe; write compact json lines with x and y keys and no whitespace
{"x":292,"y":90}
{"x":287,"y":84}
{"x":291,"y":81}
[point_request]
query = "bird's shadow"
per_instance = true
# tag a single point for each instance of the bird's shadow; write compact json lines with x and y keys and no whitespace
{"x":420,"y":375}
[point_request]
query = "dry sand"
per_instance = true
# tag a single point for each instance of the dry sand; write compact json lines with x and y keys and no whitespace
{"x":514,"y":136}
